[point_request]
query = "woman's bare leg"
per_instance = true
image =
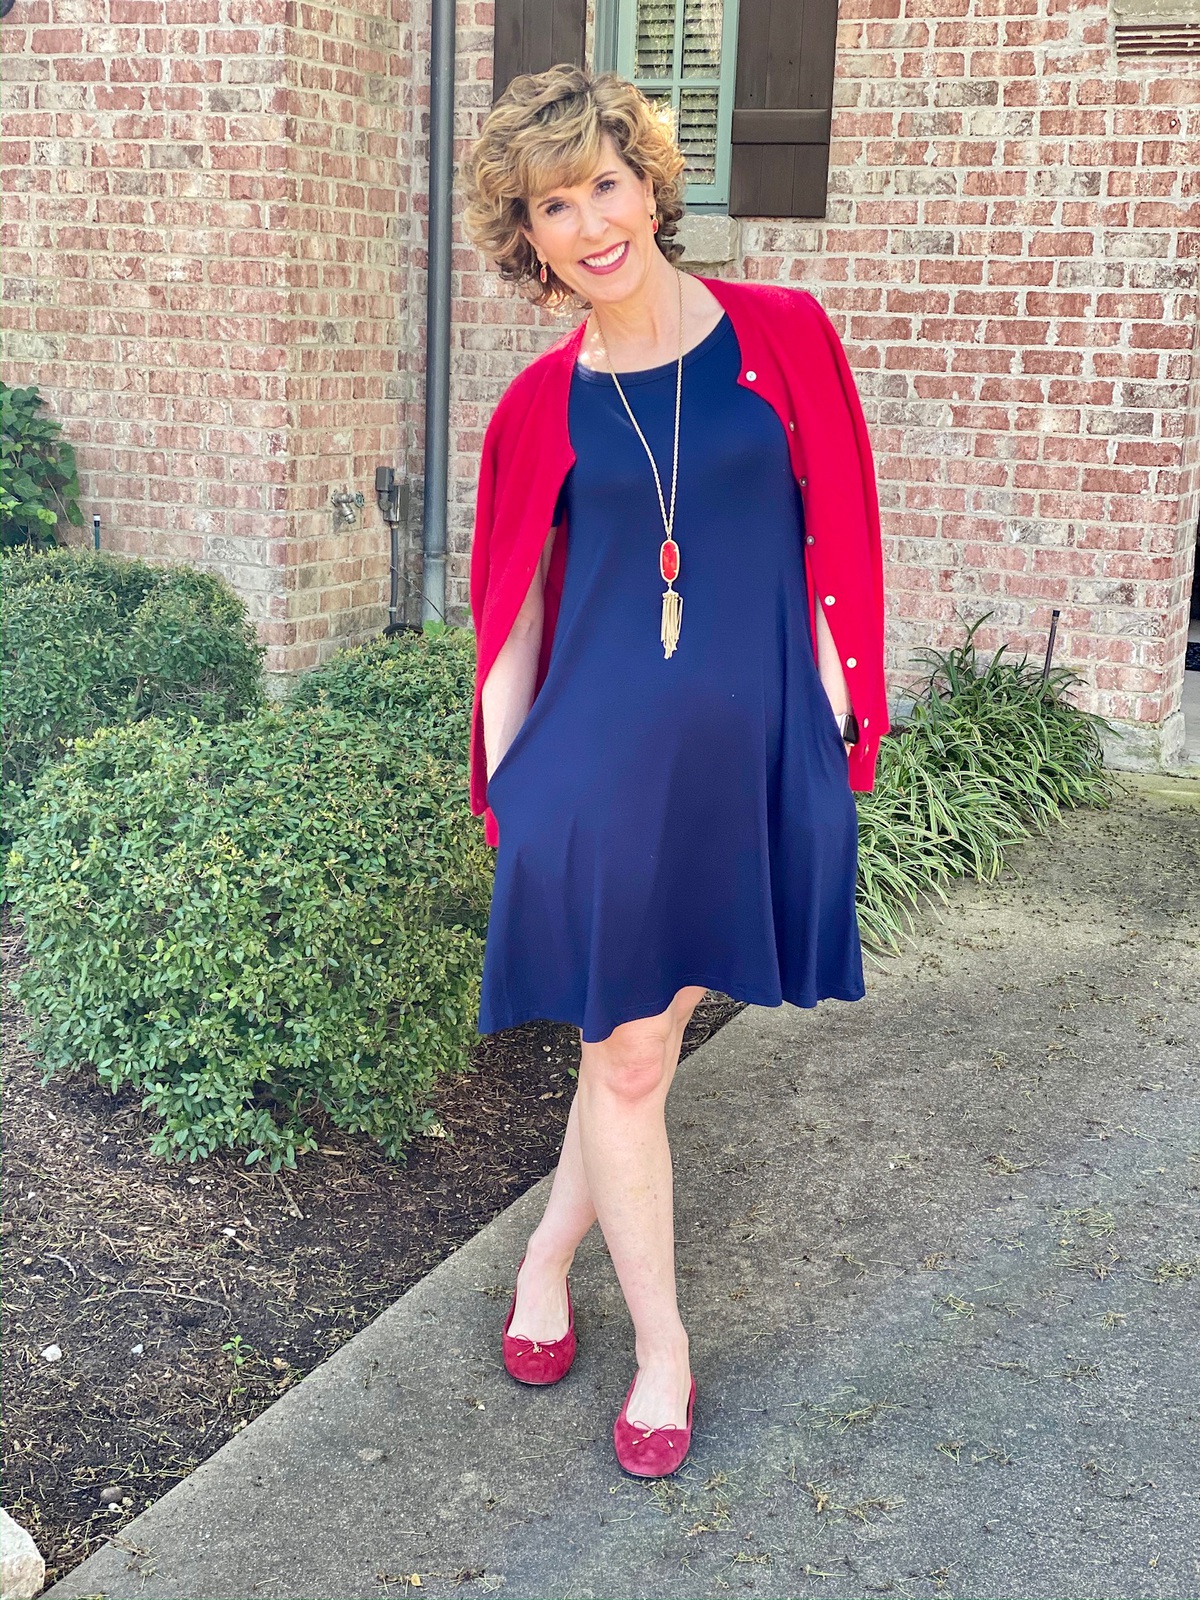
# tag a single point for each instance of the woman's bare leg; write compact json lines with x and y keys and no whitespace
{"x":623,"y":1085}
{"x":639,"y":1059}
{"x":541,"y":1310}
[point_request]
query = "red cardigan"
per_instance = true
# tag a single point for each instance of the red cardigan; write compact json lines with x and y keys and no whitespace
{"x":792,"y":357}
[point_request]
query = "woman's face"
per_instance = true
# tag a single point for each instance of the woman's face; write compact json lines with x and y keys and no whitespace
{"x":596,"y":235}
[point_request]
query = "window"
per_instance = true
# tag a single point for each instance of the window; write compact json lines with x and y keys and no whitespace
{"x":751,"y":83}
{"x":683,"y":52}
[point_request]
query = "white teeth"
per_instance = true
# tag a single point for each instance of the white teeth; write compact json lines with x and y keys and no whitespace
{"x":604,"y":260}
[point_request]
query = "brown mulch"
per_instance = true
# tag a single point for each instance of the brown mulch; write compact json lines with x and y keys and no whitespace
{"x":185,"y":1299}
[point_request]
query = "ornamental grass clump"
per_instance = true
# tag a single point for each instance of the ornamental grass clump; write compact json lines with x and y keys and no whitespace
{"x":261,"y":918}
{"x":91,"y":639}
{"x":989,"y":754}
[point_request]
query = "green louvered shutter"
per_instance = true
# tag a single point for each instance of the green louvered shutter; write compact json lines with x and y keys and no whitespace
{"x":782,"y":108}
{"x":681,"y":52}
{"x":531,"y":35}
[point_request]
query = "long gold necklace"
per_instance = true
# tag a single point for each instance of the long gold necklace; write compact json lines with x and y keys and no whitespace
{"x":668,"y":552}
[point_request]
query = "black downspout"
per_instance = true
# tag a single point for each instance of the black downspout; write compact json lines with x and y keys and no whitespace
{"x":437,"y":309}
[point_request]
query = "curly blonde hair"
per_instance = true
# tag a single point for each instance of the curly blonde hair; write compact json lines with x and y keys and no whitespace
{"x":545,"y":130}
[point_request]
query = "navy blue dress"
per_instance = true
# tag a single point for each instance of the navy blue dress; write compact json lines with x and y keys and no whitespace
{"x":689,"y":820}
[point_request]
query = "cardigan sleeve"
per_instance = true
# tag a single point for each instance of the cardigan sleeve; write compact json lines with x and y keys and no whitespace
{"x":866,"y":458}
{"x":840,"y":426}
{"x":480,"y":573}
{"x":481,"y":539}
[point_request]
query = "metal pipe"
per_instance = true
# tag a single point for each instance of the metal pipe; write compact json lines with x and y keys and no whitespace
{"x":437,"y":310}
{"x":391,"y":493}
{"x":1050,"y":644}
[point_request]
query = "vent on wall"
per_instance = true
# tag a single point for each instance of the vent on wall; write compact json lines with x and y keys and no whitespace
{"x":1158,"y":39}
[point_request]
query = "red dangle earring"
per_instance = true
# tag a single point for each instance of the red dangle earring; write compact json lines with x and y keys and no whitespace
{"x":542,"y":272}
{"x":654,"y":223}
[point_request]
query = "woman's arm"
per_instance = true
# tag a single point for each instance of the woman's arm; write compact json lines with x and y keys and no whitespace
{"x":508,"y":688}
{"x":830,"y":667}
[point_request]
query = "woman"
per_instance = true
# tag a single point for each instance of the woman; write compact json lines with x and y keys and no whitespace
{"x":667,"y":724}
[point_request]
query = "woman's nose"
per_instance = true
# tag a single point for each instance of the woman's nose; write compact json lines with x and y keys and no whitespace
{"x":591,"y":221}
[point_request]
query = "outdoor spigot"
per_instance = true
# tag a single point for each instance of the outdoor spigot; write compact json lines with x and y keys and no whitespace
{"x":347,"y":505}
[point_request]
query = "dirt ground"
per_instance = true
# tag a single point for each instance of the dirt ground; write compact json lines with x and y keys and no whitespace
{"x":191,"y":1297}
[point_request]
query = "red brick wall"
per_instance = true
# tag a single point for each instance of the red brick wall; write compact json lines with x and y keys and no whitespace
{"x":350,"y":168}
{"x":203,"y":252}
{"x":1011,"y":253}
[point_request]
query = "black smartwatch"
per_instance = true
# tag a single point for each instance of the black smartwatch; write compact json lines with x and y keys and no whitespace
{"x":848,"y":726}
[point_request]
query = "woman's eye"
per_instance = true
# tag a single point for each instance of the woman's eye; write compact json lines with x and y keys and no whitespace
{"x":604,"y":184}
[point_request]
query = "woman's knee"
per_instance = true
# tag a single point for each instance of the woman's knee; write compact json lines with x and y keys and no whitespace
{"x":632,"y":1062}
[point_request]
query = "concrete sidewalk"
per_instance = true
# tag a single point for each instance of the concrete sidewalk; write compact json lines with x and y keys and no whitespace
{"x":939,"y":1255}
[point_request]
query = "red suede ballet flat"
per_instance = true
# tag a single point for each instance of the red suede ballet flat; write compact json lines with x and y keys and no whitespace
{"x":651,"y":1452}
{"x":538,"y":1361}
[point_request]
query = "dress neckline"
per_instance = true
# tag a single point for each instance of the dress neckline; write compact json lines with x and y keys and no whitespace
{"x":652,"y":374}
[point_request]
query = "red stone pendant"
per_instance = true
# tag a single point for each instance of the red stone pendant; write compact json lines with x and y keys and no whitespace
{"x":668,"y":560}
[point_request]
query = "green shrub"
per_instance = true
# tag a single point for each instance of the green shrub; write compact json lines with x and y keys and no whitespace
{"x":39,"y":486}
{"x":259,"y":918}
{"x":420,"y":684}
{"x":990,"y":754}
{"x":92,"y":639}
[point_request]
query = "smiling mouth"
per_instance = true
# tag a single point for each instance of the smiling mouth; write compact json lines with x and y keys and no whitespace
{"x":610,"y":258}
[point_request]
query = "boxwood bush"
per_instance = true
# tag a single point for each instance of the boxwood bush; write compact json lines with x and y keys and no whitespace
{"x":420,"y":684}
{"x":259,"y":918}
{"x":91,"y":639}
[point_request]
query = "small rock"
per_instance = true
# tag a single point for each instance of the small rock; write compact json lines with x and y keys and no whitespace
{"x":51,"y":1353}
{"x":22,"y":1570}
{"x":136,"y":1349}
{"x":112,"y":1495}
{"x":230,"y":1233}
{"x":370,"y":1455}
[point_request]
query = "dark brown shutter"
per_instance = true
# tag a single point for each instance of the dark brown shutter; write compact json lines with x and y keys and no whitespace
{"x":782,"y":106}
{"x":532,"y":35}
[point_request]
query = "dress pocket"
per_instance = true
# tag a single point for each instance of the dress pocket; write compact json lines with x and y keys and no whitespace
{"x":519,"y":738}
{"x":835,"y":733}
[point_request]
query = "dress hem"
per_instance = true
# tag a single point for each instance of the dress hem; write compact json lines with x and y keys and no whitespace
{"x":742,"y":995}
